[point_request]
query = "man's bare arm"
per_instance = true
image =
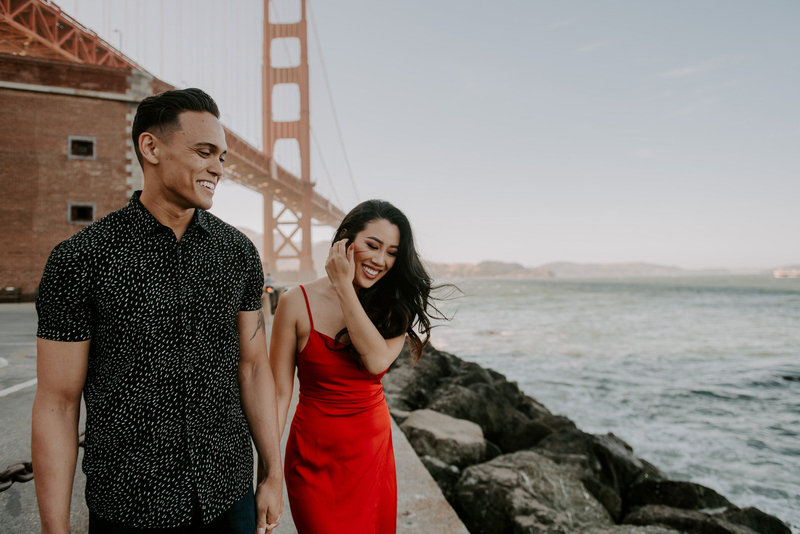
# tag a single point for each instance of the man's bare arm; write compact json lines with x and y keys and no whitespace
{"x":257,"y":389}
{"x":61,"y":372}
{"x":260,"y":326}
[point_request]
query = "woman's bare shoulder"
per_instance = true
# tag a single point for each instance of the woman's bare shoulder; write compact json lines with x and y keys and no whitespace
{"x":292,"y":298}
{"x":294,"y":301}
{"x":318,"y":286}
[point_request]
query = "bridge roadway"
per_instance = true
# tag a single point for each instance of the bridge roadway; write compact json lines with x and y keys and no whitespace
{"x":421,"y":506}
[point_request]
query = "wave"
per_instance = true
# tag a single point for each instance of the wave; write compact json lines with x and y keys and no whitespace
{"x":722,"y":396}
{"x":500,"y":333}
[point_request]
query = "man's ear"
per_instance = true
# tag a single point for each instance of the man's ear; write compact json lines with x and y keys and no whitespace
{"x":148,"y":147}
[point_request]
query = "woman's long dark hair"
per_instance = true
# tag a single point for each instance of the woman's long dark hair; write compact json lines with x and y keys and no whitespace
{"x":400,"y":301}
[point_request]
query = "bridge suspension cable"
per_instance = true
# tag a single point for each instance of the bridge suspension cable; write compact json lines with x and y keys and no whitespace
{"x":333,"y":106}
{"x":325,"y":168}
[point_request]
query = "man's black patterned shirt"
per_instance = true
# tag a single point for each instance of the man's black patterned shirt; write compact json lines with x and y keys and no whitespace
{"x":165,"y":429}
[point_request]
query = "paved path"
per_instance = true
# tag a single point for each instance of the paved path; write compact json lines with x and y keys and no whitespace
{"x":421,"y":506}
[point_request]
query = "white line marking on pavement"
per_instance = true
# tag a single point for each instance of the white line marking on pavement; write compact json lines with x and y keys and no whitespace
{"x":18,"y":387}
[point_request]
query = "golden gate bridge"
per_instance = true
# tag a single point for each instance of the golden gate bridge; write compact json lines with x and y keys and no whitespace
{"x":40,"y":29}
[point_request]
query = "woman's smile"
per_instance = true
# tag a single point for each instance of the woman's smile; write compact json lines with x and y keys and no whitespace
{"x":370,"y":271}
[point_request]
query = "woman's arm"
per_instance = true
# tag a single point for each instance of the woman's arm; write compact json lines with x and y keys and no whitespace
{"x":376,"y":352}
{"x":283,"y":350}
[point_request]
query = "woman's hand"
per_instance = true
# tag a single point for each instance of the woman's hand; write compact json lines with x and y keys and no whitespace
{"x":340,"y":265}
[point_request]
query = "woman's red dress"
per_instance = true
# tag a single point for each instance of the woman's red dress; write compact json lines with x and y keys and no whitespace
{"x":339,"y":465}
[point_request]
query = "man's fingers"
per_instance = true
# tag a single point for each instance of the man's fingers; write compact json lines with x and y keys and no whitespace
{"x":273,"y":518}
{"x":272,"y":522}
{"x":262,"y":525}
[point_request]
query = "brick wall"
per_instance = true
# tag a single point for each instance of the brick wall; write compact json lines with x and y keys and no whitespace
{"x":38,"y":178}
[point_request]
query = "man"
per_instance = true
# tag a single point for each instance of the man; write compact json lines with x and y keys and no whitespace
{"x":154,"y":312}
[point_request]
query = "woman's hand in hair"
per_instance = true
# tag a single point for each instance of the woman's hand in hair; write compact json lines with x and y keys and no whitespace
{"x":340,"y":265}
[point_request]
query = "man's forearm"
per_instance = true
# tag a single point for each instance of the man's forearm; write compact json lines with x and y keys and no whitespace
{"x":258,"y":400}
{"x":54,"y":451}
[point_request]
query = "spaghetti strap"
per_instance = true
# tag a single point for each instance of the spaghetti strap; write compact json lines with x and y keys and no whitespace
{"x":308,"y":307}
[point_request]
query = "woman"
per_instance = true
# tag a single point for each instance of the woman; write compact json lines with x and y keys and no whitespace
{"x":342,"y":332}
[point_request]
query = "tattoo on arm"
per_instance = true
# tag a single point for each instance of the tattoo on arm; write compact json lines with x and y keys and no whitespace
{"x":260,"y":326}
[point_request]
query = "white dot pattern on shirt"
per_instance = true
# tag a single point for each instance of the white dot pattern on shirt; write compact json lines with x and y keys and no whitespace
{"x":165,"y":430}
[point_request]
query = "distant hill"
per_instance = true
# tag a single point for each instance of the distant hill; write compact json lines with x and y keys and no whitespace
{"x":485,"y":269}
{"x":496,"y":269}
{"x":613,"y":270}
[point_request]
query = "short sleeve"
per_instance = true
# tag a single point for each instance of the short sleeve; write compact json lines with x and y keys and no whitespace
{"x":253,"y":279}
{"x":63,"y":300}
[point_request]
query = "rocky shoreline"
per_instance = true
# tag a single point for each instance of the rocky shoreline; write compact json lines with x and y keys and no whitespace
{"x":506,"y":464}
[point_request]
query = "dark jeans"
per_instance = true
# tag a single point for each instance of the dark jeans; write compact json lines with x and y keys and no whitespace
{"x":238,"y":519}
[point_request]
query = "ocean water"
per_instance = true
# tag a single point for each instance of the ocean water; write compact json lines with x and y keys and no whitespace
{"x":689,"y":371}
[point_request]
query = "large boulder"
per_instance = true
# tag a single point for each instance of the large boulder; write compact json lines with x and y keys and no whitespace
{"x":445,"y":475}
{"x":628,"y":529}
{"x":754,"y":519}
{"x":468,"y":373}
{"x":658,"y":499}
{"x":453,"y":441}
{"x":525,"y":492}
{"x":408,"y":385}
{"x":524,"y":433}
{"x":612,"y":465}
{"x":611,"y":458}
{"x":462,"y":402}
{"x":692,"y":521}
{"x":675,"y":493}
{"x":605,"y":495}
{"x":399,"y":387}
{"x":488,"y":406}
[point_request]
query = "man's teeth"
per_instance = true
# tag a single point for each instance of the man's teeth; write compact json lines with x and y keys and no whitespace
{"x":208,"y":185}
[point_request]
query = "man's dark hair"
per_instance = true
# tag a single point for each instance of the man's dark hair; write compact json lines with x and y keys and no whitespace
{"x":160,"y":112}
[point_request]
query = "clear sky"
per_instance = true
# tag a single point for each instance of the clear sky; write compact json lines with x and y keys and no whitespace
{"x":528,"y":131}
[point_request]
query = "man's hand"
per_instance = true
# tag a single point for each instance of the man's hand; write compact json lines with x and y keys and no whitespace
{"x":269,"y":504}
